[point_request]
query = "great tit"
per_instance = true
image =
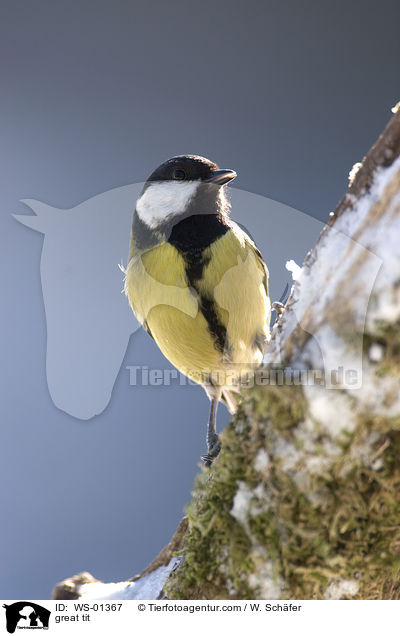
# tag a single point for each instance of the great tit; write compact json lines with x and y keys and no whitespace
{"x":197,"y":282}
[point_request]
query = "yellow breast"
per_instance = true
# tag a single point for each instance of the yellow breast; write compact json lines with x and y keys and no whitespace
{"x":228,"y":302}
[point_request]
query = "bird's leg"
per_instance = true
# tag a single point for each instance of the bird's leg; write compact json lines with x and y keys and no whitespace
{"x":212,"y":437}
{"x":213,"y":443}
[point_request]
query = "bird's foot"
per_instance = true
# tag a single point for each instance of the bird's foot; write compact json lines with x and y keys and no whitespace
{"x":279,"y":308}
{"x":214,"y":447}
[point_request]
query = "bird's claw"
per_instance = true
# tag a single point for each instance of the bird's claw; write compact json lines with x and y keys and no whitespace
{"x":213,"y":452}
{"x":278,"y":307}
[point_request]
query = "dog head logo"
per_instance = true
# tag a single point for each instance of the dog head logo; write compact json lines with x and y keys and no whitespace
{"x":25,"y":614}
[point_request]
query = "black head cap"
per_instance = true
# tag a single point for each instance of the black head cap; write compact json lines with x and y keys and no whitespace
{"x":184,"y":168}
{"x":191,"y":168}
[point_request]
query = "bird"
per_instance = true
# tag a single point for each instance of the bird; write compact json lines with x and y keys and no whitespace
{"x":197,"y":282}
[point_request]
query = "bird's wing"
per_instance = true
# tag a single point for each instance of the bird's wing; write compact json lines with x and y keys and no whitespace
{"x":259,"y":257}
{"x":146,"y":327}
{"x":263,"y":266}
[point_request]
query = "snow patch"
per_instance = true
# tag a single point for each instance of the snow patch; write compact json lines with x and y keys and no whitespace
{"x":261,"y":461}
{"x":340,"y":589}
{"x":362,"y":249}
{"x":287,"y":452}
{"x":376,"y":352}
{"x":148,"y":587}
{"x":295,"y":269}
{"x":269,"y":585}
{"x":317,"y":465}
{"x":353,"y":172}
{"x":241,"y":502}
{"x":331,"y":410}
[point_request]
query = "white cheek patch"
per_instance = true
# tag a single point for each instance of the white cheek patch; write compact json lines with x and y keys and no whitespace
{"x":164,"y":200}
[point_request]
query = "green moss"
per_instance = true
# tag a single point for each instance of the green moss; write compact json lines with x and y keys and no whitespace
{"x":219,"y":554}
{"x":352,"y":530}
{"x":284,"y":405}
{"x":217,"y":549}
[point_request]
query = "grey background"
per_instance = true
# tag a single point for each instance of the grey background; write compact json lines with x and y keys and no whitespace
{"x":93,"y":96}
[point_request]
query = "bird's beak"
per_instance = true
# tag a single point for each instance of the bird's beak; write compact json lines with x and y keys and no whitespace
{"x":220,"y":177}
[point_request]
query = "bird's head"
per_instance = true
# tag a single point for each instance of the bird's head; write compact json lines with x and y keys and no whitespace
{"x":182,"y":186}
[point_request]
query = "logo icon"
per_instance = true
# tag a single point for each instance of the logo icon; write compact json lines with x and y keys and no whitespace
{"x":88,"y":320}
{"x":26,"y":615}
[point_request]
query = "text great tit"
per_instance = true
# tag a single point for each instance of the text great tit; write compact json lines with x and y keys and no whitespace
{"x":196,"y":281}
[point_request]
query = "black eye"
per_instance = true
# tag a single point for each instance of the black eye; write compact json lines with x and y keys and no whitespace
{"x":179,"y":175}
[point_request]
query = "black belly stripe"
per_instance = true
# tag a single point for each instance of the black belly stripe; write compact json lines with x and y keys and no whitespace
{"x":191,"y":237}
{"x":195,"y":262}
{"x":215,"y":326}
